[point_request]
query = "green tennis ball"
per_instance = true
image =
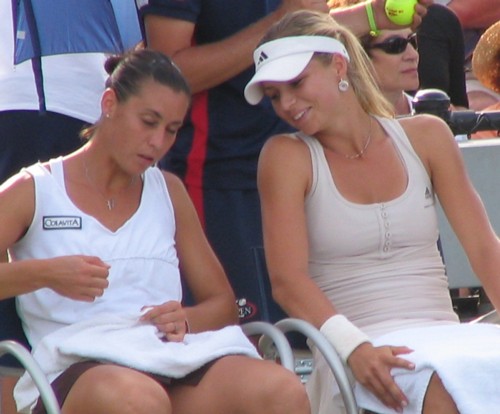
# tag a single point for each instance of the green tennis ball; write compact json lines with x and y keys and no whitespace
{"x":400,"y":11}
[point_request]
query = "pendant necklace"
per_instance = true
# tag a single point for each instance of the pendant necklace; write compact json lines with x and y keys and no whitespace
{"x":360,"y":153}
{"x":110,"y":202}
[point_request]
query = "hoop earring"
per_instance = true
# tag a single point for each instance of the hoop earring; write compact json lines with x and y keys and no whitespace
{"x":343,"y":85}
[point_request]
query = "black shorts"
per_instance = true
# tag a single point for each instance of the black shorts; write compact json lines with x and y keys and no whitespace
{"x":64,"y":382}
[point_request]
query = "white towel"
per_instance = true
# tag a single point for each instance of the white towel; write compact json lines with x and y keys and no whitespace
{"x":465,"y":356}
{"x":122,"y":339}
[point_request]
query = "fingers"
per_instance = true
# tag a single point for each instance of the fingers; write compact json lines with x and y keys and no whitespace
{"x":420,"y":12}
{"x":384,"y":387}
{"x":372,"y":368}
{"x":169,"y":318}
{"x":177,"y":333}
{"x":96,"y":261}
{"x":98,"y":268}
{"x":399,"y":350}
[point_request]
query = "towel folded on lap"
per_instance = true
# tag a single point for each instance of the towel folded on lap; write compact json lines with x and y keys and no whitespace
{"x":465,"y":356}
{"x":124,"y":340}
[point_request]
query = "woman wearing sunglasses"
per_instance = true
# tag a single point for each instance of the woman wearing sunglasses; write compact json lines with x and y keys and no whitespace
{"x":394,"y":54}
{"x":350,"y":228}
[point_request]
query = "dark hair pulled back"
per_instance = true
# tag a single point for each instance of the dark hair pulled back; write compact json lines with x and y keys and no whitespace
{"x":128,"y":72}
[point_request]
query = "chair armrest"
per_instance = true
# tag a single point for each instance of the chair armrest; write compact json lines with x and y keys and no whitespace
{"x":330,"y":355}
{"x":27,"y":361}
{"x":277,"y":337}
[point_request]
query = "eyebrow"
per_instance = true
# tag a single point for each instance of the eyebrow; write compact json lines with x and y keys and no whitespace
{"x":150,"y":111}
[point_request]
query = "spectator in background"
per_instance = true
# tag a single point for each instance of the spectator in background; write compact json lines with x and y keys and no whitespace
{"x":486,"y":67}
{"x":394,"y":55}
{"x":217,"y":151}
{"x":475,"y":16}
{"x":31,"y":130}
{"x":442,"y":55}
{"x":483,"y":84}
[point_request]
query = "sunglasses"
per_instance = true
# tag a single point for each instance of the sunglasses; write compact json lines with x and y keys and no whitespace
{"x":396,"y":44}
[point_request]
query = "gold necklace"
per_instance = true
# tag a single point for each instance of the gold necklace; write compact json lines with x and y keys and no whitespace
{"x":110,"y":202}
{"x":360,"y":153}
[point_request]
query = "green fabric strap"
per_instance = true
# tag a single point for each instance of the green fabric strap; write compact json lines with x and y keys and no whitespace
{"x":371,"y":19}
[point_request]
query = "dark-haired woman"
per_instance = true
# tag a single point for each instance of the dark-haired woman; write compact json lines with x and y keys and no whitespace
{"x":97,"y":240}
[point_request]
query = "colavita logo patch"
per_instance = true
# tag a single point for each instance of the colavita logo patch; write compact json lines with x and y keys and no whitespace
{"x":62,"y":223}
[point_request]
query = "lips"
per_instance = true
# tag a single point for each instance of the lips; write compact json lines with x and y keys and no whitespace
{"x":147,"y":159}
{"x":410,"y":71}
{"x":299,"y":115}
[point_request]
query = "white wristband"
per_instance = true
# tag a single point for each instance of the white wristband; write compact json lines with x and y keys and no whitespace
{"x":343,"y":335}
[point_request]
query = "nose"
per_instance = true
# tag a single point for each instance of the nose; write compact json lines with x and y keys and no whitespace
{"x":156,"y":138}
{"x":287,"y":100}
{"x":410,"y":52}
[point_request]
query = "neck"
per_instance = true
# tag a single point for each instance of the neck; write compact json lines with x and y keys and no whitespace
{"x":353,"y":147}
{"x":400,"y":102}
{"x":112,"y":188}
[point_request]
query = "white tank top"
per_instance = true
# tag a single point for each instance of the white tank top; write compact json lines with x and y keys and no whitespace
{"x":144,"y":265}
{"x":378,"y":263}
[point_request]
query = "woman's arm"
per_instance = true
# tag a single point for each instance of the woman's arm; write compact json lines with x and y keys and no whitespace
{"x":77,"y":277}
{"x":284,"y":175}
{"x":475,"y":14}
{"x":208,"y":65}
{"x":211,"y":64}
{"x":355,"y":17}
{"x":434,"y":142}
{"x":215,"y":302}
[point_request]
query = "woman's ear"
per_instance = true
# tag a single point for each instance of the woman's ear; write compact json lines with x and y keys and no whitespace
{"x":339,"y":65}
{"x":108,"y":102}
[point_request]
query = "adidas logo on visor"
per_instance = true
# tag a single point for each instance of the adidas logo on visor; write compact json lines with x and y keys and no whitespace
{"x":283,"y":59}
{"x":262,"y":58}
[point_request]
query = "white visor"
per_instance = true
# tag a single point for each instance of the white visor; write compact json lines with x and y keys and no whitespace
{"x":284,"y":59}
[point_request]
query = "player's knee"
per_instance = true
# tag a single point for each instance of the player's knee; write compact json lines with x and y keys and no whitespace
{"x":287,"y":394}
{"x":121,"y":391}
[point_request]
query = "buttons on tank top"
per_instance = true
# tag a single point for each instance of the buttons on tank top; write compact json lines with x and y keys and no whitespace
{"x":387,"y":234}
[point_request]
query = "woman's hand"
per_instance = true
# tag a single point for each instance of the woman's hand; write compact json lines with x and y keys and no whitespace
{"x":78,"y":277}
{"x":372,"y":366}
{"x":384,"y":23}
{"x":169,"y":318}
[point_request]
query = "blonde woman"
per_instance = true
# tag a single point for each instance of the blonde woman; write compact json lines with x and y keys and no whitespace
{"x":350,"y":228}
